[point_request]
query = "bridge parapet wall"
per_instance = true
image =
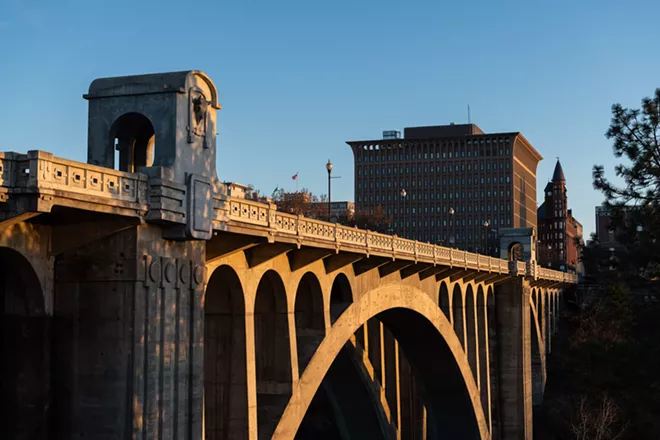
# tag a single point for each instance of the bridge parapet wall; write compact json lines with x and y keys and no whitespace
{"x":242,"y":212}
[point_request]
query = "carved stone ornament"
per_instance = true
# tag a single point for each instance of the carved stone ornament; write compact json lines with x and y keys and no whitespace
{"x":197,"y":115}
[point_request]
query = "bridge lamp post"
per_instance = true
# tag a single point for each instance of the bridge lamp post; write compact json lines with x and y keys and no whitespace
{"x":453,"y":227}
{"x":328,"y":166}
{"x":403,"y":212}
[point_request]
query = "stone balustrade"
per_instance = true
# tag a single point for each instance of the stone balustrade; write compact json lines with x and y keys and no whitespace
{"x":243,"y":211}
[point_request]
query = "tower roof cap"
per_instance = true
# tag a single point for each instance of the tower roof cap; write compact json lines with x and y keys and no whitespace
{"x":559,"y":173}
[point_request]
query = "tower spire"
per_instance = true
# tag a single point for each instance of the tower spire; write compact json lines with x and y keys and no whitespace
{"x":558,"y":174}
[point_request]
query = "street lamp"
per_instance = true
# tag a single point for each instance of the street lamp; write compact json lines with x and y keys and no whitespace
{"x":403,"y":211}
{"x":328,"y":166}
{"x":486,"y":224}
{"x":453,"y":227}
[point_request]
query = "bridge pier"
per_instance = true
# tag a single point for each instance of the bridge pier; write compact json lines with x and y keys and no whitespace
{"x":128,"y":337}
{"x":514,"y":354}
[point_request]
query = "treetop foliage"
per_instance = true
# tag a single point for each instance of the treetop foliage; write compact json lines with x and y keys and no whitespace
{"x":635,"y":205}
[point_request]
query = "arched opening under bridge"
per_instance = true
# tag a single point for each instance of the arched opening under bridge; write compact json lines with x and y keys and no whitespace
{"x":447,"y":387}
{"x":225,"y":374}
{"x":25,"y":381}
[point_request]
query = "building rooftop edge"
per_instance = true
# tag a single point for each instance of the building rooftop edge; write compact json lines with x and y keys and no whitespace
{"x":508,"y":133}
{"x":517,"y":134}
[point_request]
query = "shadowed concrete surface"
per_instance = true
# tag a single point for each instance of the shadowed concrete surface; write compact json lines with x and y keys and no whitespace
{"x":143,"y":298}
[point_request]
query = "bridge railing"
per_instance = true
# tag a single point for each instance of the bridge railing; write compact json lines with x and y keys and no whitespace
{"x":39,"y":171}
{"x":266,"y":215}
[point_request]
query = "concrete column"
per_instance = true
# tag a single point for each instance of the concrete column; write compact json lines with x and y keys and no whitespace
{"x":130,"y":308}
{"x":398,"y":388}
{"x":514,"y":353}
{"x":391,"y":376}
{"x":555,"y":309}
{"x":476,"y":346}
{"x":541,"y":315}
{"x":558,"y":310}
{"x":484,"y":357}
{"x":251,"y":370}
{"x":471,"y":332}
{"x":493,"y":366}
{"x":458,"y":315}
{"x":383,"y":365}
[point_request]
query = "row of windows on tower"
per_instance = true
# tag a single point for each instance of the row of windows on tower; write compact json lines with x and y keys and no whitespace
{"x":547,"y":237}
{"x":382,"y":198}
{"x":461,"y":237}
{"x":443,"y":211}
{"x":446,"y":223}
{"x":384,"y":153}
{"x":487,"y":166}
{"x":432,"y":182}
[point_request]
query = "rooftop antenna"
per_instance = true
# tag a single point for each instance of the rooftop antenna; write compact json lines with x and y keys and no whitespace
{"x":469,"y":119}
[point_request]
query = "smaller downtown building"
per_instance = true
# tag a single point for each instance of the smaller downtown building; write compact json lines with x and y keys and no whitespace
{"x":606,"y":232}
{"x":339,"y":211}
{"x":304,"y":203}
{"x":559,"y":233}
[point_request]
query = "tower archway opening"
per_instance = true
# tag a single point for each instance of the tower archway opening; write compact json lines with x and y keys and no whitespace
{"x":133,"y":142}
{"x":515,"y":252}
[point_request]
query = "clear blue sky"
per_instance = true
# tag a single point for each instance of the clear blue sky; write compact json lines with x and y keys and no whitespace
{"x":299,"y":78}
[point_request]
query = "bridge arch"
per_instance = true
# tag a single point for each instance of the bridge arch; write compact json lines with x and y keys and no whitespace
{"x":272,"y":351}
{"x":471,"y":347}
{"x":451,"y":394}
{"x":225,"y":374}
{"x":309,"y":318}
{"x":25,"y":347}
{"x":341,"y":296}
{"x":458,"y":313}
{"x":444,"y":301}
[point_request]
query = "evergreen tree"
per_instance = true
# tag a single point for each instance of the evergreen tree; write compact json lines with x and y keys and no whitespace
{"x":635,"y":205}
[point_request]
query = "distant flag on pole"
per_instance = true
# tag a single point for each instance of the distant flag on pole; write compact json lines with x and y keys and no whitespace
{"x":295,"y":176}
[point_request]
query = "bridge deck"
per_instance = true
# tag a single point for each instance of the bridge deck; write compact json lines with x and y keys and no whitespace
{"x":38,"y":181}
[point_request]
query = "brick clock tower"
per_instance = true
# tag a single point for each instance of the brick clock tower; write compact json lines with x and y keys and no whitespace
{"x":558,"y":229}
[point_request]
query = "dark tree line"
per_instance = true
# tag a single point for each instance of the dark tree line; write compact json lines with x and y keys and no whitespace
{"x":603,"y":378}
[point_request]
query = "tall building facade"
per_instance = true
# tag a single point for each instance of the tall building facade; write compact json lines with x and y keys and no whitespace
{"x":558,"y":229}
{"x":451,"y":184}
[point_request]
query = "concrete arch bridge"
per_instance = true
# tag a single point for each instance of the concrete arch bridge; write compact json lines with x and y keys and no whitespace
{"x":143,"y":298}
